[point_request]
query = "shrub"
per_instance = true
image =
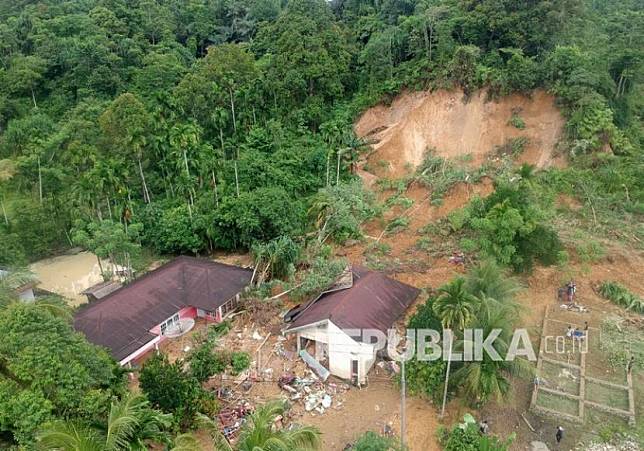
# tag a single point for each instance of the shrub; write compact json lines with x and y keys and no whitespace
{"x":510,"y":227}
{"x":465,"y":436}
{"x":398,"y":224}
{"x":170,"y":389}
{"x":239,"y":361}
{"x":516,"y":121}
{"x":513,"y":146}
{"x":370,"y":441}
{"x":458,"y":218}
{"x":205,"y":362}
{"x":439,"y":174}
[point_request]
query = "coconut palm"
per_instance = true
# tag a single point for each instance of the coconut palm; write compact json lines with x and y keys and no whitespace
{"x":487,"y":379}
{"x":489,"y":280}
{"x":131,"y":424}
{"x":258,"y":433}
{"x":455,"y":306}
{"x":185,"y":442}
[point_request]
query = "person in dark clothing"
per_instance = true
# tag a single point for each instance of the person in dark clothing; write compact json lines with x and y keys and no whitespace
{"x":484,"y":428}
{"x":559,"y":434}
{"x":571,"y":289}
{"x":631,"y":363}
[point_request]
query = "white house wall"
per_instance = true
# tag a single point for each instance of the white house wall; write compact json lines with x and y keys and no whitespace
{"x":342,"y":349}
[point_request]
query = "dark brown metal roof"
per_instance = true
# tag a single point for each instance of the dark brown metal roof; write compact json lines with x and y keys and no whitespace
{"x":121,"y":321}
{"x":375,"y":301}
{"x":100,"y":290}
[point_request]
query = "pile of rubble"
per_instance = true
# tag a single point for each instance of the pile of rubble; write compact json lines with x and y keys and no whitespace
{"x":313,"y":394}
{"x":232,"y":418}
{"x":622,"y":444}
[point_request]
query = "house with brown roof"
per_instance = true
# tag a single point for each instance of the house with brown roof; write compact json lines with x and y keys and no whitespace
{"x":331,"y":325}
{"x":135,"y":318}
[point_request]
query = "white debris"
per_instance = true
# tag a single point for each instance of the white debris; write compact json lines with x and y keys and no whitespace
{"x":538,"y":446}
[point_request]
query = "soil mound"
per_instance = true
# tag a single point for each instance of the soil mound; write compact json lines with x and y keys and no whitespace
{"x":455,"y":127}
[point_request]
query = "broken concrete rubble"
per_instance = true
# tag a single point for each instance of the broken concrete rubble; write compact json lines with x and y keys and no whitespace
{"x":313,"y":393}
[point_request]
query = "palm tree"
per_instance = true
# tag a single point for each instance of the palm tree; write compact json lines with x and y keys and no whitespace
{"x":489,"y":280}
{"x":455,"y":306}
{"x":258,"y":433}
{"x":130,"y":425}
{"x":483,"y":380}
{"x":185,"y":442}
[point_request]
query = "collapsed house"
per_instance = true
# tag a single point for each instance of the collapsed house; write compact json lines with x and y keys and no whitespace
{"x":135,"y":318}
{"x":329,"y":325}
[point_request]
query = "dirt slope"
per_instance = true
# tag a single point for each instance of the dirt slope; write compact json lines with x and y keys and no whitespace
{"x":443,"y":120}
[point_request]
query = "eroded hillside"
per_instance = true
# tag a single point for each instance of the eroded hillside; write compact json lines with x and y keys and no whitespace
{"x":456,"y":127}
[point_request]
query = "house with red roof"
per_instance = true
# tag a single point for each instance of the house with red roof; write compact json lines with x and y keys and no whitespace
{"x":134,"y":319}
{"x":331,"y":325}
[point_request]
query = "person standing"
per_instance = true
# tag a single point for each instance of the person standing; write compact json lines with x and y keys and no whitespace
{"x":631,"y":363}
{"x":572,"y":290}
{"x":559,"y":435}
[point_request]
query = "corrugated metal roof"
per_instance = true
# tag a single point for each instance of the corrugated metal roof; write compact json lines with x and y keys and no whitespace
{"x":100,"y":290}
{"x":375,"y":301}
{"x":121,"y":320}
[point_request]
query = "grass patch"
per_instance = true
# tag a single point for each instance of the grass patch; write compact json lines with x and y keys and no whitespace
{"x":609,"y":396}
{"x":558,"y":403}
{"x":560,"y":378}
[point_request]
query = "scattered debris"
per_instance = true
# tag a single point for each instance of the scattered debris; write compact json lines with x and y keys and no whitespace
{"x":322,"y":372}
{"x":316,"y":396}
{"x":538,"y":446}
{"x":574,"y":308}
{"x":619,"y":444}
{"x":232,"y":418}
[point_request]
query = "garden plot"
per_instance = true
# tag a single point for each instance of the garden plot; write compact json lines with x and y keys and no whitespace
{"x":563,"y":386}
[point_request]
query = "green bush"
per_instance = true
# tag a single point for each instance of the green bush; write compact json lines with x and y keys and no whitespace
{"x":516,"y":121}
{"x":465,"y":436}
{"x":204,"y":361}
{"x":510,"y":226}
{"x":170,"y":389}
{"x":240,"y":361}
{"x":370,"y":441}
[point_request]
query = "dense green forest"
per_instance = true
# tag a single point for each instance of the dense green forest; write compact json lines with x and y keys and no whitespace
{"x":187,"y":126}
{"x":211,"y":124}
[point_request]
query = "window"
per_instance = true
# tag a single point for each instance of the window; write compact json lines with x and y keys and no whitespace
{"x":168,"y":323}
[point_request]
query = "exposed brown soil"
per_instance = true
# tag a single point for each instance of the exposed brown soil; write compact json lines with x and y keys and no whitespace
{"x":400,"y":134}
{"x":456,"y":127}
